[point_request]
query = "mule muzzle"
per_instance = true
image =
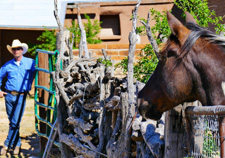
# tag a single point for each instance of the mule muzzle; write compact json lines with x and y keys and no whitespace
{"x":148,"y":110}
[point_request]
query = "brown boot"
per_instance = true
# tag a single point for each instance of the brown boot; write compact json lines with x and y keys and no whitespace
{"x":4,"y":150}
{"x":16,"y":151}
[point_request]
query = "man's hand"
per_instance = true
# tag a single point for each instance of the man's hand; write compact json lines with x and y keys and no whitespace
{"x":2,"y":93}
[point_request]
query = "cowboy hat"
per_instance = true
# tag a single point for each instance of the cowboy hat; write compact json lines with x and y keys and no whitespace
{"x":15,"y":44}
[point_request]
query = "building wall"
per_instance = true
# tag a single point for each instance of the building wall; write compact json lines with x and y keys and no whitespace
{"x":117,"y":52}
{"x":116,"y":17}
{"x":219,"y":7}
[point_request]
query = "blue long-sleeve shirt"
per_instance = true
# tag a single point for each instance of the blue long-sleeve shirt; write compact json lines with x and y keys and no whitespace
{"x":19,"y":78}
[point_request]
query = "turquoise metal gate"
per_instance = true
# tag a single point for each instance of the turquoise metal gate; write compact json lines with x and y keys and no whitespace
{"x":50,"y":107}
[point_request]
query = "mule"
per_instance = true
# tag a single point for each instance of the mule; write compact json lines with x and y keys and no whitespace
{"x":191,"y":67}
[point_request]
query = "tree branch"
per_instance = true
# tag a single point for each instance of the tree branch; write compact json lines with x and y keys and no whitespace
{"x":83,"y":41}
{"x":150,"y":36}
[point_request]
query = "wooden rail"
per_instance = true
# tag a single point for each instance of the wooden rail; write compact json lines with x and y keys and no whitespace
{"x":205,"y":110}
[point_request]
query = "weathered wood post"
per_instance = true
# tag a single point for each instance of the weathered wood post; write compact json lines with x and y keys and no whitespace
{"x":175,"y":137}
{"x":61,"y":99}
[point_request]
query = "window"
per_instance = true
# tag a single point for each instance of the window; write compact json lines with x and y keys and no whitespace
{"x":110,"y":27}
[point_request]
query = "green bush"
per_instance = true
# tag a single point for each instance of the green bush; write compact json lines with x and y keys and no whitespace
{"x":92,"y":30}
{"x":145,"y":65}
{"x":148,"y":61}
{"x":106,"y":62}
{"x":202,"y":14}
{"x":76,"y":32}
{"x":47,"y":42}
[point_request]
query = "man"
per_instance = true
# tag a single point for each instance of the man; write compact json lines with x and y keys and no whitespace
{"x":19,"y":72}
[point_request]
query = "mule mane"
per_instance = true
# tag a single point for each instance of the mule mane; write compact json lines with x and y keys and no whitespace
{"x":196,"y":33}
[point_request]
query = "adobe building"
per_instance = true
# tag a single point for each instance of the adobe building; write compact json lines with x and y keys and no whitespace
{"x":115,"y":17}
{"x":116,"y":22}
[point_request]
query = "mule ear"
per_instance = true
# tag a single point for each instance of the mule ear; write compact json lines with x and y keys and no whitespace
{"x":190,"y":18}
{"x":177,"y":28}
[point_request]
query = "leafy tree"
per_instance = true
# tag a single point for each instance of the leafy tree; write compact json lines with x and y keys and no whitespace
{"x":201,"y":12}
{"x":48,"y":38}
{"x":91,"y":29}
{"x":76,"y":31}
{"x":148,"y":60}
{"x":143,"y":66}
{"x":161,"y":28}
{"x":106,"y":62}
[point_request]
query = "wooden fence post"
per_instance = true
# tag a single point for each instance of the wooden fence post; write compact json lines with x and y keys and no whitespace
{"x":43,"y":96}
{"x":175,"y":134}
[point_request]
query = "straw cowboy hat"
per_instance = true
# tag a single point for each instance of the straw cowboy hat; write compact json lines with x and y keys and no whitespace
{"x":15,"y":44}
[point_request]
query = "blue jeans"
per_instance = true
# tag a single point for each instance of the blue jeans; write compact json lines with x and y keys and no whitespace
{"x":15,"y":106}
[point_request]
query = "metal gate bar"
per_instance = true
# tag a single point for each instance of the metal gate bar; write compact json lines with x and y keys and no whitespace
{"x":51,"y":139}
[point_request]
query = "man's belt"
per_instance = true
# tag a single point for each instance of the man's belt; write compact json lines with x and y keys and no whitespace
{"x":15,"y":92}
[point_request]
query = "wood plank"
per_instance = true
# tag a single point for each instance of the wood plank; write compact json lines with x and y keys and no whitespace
{"x":43,"y":80}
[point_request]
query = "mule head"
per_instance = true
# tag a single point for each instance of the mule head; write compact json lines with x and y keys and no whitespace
{"x":171,"y":82}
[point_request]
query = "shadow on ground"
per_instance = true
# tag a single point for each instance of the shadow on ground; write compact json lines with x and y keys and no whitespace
{"x":30,"y":150}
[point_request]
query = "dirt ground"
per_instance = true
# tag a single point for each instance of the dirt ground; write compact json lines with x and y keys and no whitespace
{"x":30,"y":140}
